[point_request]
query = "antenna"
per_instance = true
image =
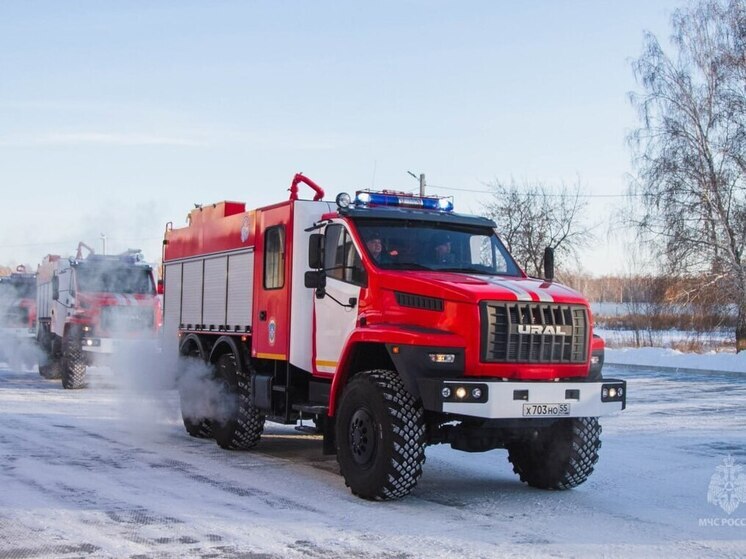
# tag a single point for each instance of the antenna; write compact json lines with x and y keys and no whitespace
{"x":421,"y":178}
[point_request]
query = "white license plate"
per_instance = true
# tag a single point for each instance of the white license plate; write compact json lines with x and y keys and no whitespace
{"x":545,"y":410}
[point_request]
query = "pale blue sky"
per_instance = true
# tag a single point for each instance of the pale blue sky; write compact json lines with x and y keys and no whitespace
{"x":115,"y":117}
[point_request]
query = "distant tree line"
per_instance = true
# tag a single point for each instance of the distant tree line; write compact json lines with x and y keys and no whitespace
{"x":644,"y":304}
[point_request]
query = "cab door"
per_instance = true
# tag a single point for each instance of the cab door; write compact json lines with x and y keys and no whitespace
{"x":271,"y":313}
{"x":335,"y":314}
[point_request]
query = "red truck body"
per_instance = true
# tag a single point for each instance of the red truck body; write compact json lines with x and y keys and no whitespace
{"x":301,"y":319}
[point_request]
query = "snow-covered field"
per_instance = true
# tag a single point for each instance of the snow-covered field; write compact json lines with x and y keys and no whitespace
{"x":109,"y":472}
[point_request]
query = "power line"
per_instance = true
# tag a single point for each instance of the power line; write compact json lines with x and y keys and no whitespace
{"x":71,"y":243}
{"x":579,"y":195}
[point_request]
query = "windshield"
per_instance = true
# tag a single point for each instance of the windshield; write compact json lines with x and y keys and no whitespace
{"x":24,"y":288}
{"x":418,"y":245}
{"x":96,"y":278}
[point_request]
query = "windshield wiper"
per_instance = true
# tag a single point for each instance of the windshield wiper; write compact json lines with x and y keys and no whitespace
{"x":467,"y":270}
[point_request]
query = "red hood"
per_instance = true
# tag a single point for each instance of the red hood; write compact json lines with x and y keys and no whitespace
{"x":458,"y":322}
{"x":472,"y":288}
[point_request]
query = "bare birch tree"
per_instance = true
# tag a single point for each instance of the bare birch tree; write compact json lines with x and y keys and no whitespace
{"x":689,"y":148}
{"x":531,"y":217}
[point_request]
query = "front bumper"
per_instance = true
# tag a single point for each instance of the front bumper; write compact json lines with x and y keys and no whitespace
{"x":19,"y":332}
{"x":116,"y":345}
{"x":495,"y":399}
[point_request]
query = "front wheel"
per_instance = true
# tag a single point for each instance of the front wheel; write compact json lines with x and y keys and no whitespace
{"x":562,"y":456}
{"x":73,"y":360}
{"x":380,"y":436}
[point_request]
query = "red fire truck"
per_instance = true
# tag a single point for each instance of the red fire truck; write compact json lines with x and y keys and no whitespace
{"x":17,"y":316}
{"x":89,"y":308}
{"x":394,"y":323}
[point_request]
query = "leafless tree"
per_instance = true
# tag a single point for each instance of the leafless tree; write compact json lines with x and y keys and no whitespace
{"x":690,"y":147}
{"x":533,"y":216}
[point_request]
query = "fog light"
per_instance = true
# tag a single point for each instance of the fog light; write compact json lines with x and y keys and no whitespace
{"x":89,"y":342}
{"x":612,"y":392}
{"x":445,"y":392}
{"x":442,"y":357}
{"x":476,"y":393}
{"x":595,"y":359}
{"x":461,"y":393}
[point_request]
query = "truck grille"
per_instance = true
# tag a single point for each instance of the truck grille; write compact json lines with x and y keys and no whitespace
{"x":533,"y":333}
{"x":126,"y":319}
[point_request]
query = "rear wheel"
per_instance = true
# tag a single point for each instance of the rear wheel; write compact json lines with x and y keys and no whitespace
{"x":50,"y":366}
{"x":561,"y":457}
{"x":238,"y":424}
{"x":50,"y":369}
{"x":193,"y":396}
{"x":73,"y":360}
{"x":380,"y":436}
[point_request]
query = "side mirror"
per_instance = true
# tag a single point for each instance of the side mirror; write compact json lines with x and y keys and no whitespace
{"x":316,"y":280}
{"x":159,"y":287}
{"x":55,"y":288}
{"x":316,"y":251}
{"x":549,"y":264}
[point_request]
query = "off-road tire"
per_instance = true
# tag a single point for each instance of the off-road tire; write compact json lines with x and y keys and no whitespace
{"x":244,"y":425}
{"x":51,"y":370}
{"x":73,"y":360}
{"x":199,"y":427}
{"x":561,"y":457}
{"x":380,"y":436}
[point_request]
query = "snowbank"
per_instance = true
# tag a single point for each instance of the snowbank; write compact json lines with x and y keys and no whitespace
{"x":670,"y":358}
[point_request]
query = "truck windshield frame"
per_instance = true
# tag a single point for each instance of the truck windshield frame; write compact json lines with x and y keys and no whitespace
{"x":437,"y":246}
{"x":107,"y":278}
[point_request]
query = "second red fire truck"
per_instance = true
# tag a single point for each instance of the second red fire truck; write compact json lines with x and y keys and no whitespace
{"x":394,"y":323}
{"x":91,"y":307}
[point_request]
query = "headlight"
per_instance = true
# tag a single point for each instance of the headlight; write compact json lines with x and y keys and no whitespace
{"x":612,"y":392}
{"x":467,"y":393}
{"x":442,"y":357}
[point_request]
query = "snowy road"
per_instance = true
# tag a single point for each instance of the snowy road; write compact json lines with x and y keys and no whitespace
{"x":109,"y":472}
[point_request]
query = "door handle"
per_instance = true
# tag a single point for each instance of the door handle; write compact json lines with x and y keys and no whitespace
{"x":262,"y":315}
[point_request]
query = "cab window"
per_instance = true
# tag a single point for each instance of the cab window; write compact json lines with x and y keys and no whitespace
{"x":274,"y":257}
{"x":341,"y":258}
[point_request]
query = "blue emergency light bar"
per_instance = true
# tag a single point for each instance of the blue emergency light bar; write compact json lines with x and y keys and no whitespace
{"x":365,"y":199}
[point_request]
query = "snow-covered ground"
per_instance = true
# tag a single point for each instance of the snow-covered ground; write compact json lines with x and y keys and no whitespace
{"x":672,"y":359}
{"x":110,"y":472}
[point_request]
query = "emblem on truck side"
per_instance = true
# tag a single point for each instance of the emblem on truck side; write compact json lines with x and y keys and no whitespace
{"x":245,"y":228}
{"x":545,"y":330}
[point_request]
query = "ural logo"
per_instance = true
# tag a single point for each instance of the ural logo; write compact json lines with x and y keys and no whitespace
{"x":548,"y":330}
